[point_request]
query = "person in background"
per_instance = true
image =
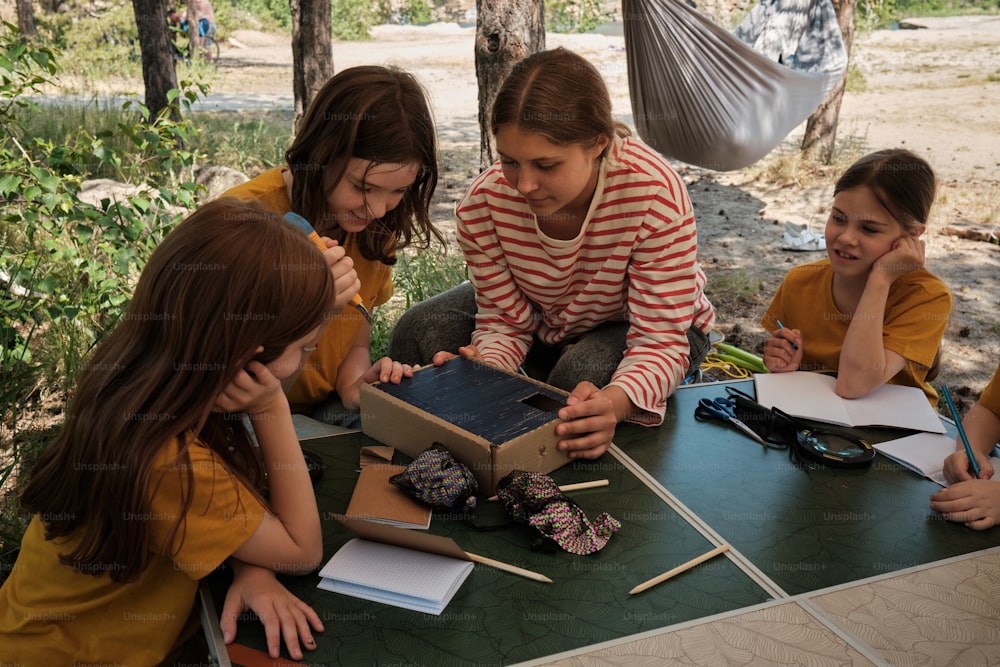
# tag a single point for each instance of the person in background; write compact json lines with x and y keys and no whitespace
{"x":974,"y":502}
{"x":200,"y":23}
{"x":362,"y":170}
{"x":156,"y":480}
{"x":869,"y":311}
{"x":581,"y":247}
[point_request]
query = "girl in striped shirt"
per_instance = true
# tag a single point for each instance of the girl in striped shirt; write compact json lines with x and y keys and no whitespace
{"x":581,"y":248}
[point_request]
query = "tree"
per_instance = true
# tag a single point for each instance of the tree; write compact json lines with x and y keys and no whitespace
{"x":26,"y":19}
{"x":312,"y":51}
{"x":506,"y":32}
{"x":158,"y":73}
{"x":821,"y":127}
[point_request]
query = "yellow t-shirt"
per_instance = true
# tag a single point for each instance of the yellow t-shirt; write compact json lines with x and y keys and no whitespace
{"x":916,"y":314}
{"x":319,"y":375}
{"x":990,"y":398}
{"x":51,"y":614}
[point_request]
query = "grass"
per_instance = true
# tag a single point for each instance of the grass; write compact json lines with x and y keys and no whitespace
{"x":416,"y":277}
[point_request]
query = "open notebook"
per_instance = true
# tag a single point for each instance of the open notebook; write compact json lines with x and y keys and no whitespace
{"x":396,"y":566}
{"x":924,"y":453}
{"x":812,"y":396}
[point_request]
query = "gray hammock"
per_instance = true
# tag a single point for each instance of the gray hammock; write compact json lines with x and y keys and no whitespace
{"x":723,"y":101}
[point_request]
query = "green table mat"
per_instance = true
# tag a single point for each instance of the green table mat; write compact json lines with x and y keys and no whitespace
{"x":500,"y":618}
{"x":805,"y":527}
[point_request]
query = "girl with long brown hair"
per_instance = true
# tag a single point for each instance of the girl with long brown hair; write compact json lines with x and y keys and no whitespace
{"x":362,"y":170}
{"x":155,"y":478}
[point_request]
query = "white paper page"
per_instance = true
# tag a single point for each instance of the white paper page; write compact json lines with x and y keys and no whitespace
{"x":802,"y":394}
{"x":924,"y":453}
{"x":813,"y":396}
{"x":395,"y":575}
{"x":895,"y":405}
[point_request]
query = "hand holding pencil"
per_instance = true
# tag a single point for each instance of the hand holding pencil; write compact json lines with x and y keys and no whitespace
{"x":344,"y":275}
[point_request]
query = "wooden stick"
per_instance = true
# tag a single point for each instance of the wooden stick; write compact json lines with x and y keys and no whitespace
{"x":579,"y":486}
{"x":513,"y":569}
{"x":680,"y":568}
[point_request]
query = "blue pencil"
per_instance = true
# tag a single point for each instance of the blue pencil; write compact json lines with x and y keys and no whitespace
{"x":961,"y":431}
{"x":782,"y":326}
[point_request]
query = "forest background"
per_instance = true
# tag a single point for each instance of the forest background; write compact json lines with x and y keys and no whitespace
{"x":89,"y":183}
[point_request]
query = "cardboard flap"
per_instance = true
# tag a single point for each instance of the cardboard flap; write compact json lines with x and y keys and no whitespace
{"x":401,"y":537}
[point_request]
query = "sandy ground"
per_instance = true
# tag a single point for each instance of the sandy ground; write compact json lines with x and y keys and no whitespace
{"x":935,"y":90}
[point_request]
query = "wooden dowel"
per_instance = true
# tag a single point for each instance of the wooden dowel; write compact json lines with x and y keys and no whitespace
{"x":579,"y":486}
{"x":680,"y":568}
{"x":513,"y":569}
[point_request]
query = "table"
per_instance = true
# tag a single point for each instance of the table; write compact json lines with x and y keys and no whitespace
{"x":798,"y":536}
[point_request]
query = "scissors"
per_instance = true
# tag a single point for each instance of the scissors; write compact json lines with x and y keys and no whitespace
{"x":723,"y":409}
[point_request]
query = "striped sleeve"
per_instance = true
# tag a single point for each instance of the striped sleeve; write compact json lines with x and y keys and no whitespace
{"x":665,"y":291}
{"x":505,"y":318}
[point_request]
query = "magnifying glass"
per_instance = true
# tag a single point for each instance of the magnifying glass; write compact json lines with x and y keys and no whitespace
{"x":836,"y":450}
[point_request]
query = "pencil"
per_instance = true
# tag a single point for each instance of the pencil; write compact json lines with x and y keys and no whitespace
{"x":579,"y":486}
{"x":314,"y":236}
{"x":782,"y":326}
{"x":961,"y":431}
{"x":513,"y":569}
{"x":680,"y":568}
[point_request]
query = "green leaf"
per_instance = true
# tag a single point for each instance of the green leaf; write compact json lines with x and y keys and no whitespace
{"x":9,"y":184}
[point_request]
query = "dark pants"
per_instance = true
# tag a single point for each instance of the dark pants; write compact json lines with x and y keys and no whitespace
{"x":445,"y":322}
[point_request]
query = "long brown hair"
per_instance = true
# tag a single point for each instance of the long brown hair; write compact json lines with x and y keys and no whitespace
{"x":373,"y":113}
{"x":559,"y":95}
{"x":230,"y":278}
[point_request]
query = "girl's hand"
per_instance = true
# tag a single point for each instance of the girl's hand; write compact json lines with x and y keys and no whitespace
{"x":589,"y":422}
{"x":256,"y":589}
{"x":906,"y":254}
{"x":975,"y":502}
{"x":252,"y":390}
{"x":783,"y":351}
{"x":345,"y":278}
{"x":956,"y":466}
{"x":466,"y":352}
{"x":387,"y":370}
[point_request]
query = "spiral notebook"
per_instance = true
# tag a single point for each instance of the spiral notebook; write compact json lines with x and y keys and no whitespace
{"x":420,"y":572}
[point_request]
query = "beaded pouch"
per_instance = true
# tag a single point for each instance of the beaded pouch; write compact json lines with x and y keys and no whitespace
{"x":437,"y":479}
{"x":535,"y":499}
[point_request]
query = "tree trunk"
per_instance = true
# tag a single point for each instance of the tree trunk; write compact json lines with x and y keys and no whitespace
{"x":26,"y":20}
{"x":821,"y":127}
{"x":312,"y":51}
{"x":506,"y":32}
{"x":158,"y":73}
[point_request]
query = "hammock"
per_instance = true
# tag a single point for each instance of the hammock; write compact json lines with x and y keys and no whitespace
{"x":722,"y":101}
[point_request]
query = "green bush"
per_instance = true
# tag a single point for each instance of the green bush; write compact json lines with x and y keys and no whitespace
{"x":352,"y":19}
{"x":575,"y":15}
{"x":67,"y":266}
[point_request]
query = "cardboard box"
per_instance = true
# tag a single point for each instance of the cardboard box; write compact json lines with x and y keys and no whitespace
{"x":493,"y":421}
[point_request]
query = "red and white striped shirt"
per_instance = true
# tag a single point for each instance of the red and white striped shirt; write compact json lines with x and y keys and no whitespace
{"x":634,"y":260}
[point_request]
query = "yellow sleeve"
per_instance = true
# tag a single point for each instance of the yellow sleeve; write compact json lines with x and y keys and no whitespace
{"x":224,"y":513}
{"x":990,"y":397}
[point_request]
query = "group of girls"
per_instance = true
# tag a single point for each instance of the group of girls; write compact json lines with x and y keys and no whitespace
{"x":581,"y":248}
